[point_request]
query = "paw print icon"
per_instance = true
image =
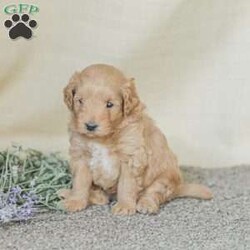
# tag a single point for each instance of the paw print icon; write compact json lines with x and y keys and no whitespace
{"x":20,"y":26}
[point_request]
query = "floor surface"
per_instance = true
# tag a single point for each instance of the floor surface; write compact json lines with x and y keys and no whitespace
{"x":222,"y":223}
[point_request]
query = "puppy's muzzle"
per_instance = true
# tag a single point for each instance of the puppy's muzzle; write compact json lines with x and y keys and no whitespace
{"x":90,"y":126}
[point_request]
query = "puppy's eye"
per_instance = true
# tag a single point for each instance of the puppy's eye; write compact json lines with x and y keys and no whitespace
{"x":109,"y":105}
{"x":80,"y":101}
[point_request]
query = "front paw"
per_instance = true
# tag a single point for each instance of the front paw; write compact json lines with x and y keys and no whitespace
{"x":123,"y":209}
{"x":147,"y":206}
{"x":74,"y":204}
{"x":64,"y":193}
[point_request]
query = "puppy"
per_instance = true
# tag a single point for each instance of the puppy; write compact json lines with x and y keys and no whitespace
{"x":116,"y":148}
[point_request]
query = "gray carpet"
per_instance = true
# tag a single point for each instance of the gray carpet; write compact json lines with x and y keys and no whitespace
{"x":223,"y":223}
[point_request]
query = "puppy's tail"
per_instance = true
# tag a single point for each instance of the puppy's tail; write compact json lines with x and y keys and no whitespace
{"x":194,"y":191}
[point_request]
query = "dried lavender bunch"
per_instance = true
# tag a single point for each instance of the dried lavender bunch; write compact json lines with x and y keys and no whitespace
{"x":17,"y":205}
{"x":29,"y":181}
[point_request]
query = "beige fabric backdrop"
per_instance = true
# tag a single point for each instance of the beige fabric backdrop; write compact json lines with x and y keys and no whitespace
{"x":190,"y":59}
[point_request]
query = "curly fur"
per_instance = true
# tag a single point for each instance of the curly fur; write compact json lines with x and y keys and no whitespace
{"x":127,"y":154}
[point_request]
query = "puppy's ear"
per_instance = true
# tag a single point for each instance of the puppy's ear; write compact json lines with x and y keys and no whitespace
{"x":131,"y":101}
{"x":70,"y":90}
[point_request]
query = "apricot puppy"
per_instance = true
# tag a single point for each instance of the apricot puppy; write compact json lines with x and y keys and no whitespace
{"x":116,"y":148}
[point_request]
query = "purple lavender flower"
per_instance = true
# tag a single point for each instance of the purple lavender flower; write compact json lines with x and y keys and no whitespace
{"x":17,"y":204}
{"x":16,"y":190}
{"x":6,"y":210}
{"x":13,"y":195}
{"x":30,"y":197}
{"x":12,"y":198}
{"x":25,"y":211}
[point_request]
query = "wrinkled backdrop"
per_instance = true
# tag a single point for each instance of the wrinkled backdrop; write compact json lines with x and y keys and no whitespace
{"x":190,"y":59}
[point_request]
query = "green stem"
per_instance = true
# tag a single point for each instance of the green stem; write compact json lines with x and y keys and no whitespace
{"x":5,"y":173}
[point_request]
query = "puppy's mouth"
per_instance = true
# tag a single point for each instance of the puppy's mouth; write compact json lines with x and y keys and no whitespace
{"x":97,"y":133}
{"x":91,"y":134}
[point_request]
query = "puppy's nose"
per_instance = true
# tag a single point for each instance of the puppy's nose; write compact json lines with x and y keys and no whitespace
{"x":91,"y":126}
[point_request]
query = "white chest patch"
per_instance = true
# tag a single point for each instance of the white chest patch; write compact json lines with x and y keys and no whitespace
{"x":100,"y":157}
